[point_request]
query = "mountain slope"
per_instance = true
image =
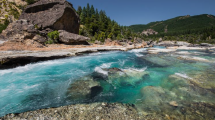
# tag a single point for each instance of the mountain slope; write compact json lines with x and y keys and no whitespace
{"x":181,"y":23}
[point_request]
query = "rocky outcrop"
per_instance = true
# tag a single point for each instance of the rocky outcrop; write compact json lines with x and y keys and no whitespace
{"x":110,"y":42}
{"x":167,"y":43}
{"x":206,"y":45}
{"x":52,"y":14}
{"x":149,"y":32}
{"x":40,"y":18}
{"x":9,"y":11}
{"x":22,"y":32}
{"x":18,"y":2}
{"x":72,"y":39}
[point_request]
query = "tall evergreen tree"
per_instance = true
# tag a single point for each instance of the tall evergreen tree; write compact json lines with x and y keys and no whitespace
{"x":92,"y":11}
{"x":83,"y":15}
{"x":88,"y":10}
{"x":79,"y":11}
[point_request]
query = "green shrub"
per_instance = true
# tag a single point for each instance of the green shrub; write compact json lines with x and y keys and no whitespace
{"x":50,"y":42}
{"x":53,"y":37}
{"x":4,"y":26}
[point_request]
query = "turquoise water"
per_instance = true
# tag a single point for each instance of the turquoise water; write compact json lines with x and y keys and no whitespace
{"x":45,"y":84}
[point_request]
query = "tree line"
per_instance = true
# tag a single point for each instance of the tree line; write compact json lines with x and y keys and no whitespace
{"x":98,"y":26}
{"x":193,"y":35}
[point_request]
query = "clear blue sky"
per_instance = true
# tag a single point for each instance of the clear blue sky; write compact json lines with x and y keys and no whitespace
{"x":129,"y":12}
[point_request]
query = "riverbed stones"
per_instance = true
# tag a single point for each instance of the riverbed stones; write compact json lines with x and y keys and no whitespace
{"x":53,"y":14}
{"x":101,"y":111}
{"x":153,"y":95}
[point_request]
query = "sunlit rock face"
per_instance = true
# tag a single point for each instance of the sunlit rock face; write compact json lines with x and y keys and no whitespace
{"x":53,"y":14}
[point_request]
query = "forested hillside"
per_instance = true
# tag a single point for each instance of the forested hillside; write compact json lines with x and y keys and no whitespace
{"x":196,"y":29}
{"x":181,"y":23}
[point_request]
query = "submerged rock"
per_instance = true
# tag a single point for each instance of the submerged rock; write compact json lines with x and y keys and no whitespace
{"x":113,"y":70}
{"x":184,"y":88}
{"x":160,"y":60}
{"x":191,"y":58}
{"x":204,"y":79}
{"x":153,"y":95}
{"x":84,"y":89}
{"x":121,"y":77}
{"x":52,"y":14}
{"x":174,"y":103}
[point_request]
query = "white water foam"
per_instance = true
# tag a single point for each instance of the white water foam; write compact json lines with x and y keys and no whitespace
{"x":29,"y":67}
{"x":106,"y":65}
{"x":135,"y":69}
{"x":183,"y":75}
{"x":139,"y":55}
{"x":137,"y":50}
{"x":100,"y":70}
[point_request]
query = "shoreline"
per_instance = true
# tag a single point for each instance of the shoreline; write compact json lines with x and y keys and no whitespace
{"x":116,"y":111}
{"x":12,"y":59}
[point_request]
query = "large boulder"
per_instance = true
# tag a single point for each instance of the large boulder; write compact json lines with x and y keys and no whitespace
{"x":72,"y":39}
{"x":52,"y":14}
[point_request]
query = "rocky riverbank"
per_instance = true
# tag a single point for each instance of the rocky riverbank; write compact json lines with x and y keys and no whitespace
{"x":95,"y":111}
{"x":10,"y":59}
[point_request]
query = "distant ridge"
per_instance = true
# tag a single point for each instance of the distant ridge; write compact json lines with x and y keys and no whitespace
{"x":180,"y":23}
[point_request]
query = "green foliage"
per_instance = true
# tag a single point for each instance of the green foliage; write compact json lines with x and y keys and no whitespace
{"x":178,"y":24}
{"x":194,"y":29}
{"x":14,"y":12}
{"x":50,"y":41}
{"x":79,"y":11}
{"x":53,"y":37}
{"x":98,"y":26}
{"x":4,"y":26}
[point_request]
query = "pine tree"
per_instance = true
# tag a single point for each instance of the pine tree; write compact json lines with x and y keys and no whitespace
{"x":79,"y":11}
{"x":83,"y":15}
{"x":88,"y":10}
{"x":92,"y":11}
